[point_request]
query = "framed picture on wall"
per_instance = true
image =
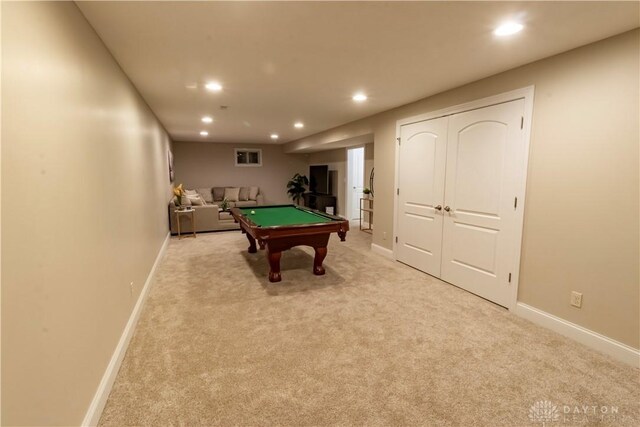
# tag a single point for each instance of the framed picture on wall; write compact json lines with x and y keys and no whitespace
{"x":170,"y":159}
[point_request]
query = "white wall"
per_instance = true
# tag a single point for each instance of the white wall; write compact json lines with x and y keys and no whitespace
{"x":85,"y":190}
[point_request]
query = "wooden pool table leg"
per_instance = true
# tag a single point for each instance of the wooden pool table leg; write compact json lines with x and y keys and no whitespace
{"x":274,"y":264}
{"x":342,"y":234}
{"x":252,"y":244}
{"x":321,"y":253}
{"x":261,"y":243}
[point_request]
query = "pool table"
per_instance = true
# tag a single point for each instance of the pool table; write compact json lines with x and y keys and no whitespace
{"x":282,"y":227}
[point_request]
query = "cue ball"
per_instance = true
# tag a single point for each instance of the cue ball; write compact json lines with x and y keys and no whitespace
{"x":253,"y":212}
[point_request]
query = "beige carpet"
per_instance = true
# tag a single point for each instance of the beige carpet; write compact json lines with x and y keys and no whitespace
{"x":373,"y":342}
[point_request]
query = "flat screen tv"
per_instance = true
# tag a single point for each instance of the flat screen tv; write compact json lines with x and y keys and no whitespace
{"x":319,"y":179}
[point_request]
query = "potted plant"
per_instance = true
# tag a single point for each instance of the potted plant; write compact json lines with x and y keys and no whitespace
{"x":296,"y":187}
{"x":367,"y":193}
{"x":224,"y":205}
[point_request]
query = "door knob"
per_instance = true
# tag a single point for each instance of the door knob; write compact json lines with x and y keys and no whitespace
{"x":438,"y":208}
{"x":447,"y":208}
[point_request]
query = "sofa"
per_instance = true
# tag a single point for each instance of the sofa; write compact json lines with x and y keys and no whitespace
{"x":208,"y":214}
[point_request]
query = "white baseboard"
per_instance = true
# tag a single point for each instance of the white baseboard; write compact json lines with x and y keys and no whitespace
{"x":92,"y":417}
{"x":592,"y":339}
{"x":387,"y":253}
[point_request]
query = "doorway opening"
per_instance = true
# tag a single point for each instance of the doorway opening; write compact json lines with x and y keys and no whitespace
{"x":355,"y":181}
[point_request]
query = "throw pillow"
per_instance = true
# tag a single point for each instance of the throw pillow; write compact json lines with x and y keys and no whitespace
{"x":253,"y":193}
{"x":206,"y":194}
{"x":244,"y":194}
{"x":190,"y":193}
{"x":231,"y":194}
{"x":218,"y":194}
{"x":196,"y":200}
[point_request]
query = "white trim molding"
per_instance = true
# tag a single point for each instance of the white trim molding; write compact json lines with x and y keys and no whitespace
{"x":92,"y":417}
{"x":380,"y":250}
{"x":606,"y":345}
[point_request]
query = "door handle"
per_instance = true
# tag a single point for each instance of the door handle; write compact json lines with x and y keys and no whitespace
{"x":447,"y":208}
{"x":438,"y":208}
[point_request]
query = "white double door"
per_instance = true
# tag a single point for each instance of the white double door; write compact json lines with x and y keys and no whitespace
{"x":458,"y":179}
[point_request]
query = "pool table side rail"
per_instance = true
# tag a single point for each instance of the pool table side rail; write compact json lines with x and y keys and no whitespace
{"x":339,"y":224}
{"x":302,"y":208}
{"x":239,"y":213}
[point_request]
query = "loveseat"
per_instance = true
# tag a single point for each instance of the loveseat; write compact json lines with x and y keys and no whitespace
{"x":208,"y":214}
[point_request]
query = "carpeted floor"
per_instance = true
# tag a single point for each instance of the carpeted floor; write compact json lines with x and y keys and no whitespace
{"x":373,"y":342}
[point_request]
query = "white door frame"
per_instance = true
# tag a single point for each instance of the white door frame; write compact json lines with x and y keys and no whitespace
{"x":525,"y":93}
{"x":347,"y":193}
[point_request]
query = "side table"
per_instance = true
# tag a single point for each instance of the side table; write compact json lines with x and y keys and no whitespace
{"x":364,"y":209}
{"x":189,"y":214}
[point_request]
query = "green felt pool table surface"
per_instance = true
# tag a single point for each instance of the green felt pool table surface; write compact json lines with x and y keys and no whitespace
{"x":273,"y":216}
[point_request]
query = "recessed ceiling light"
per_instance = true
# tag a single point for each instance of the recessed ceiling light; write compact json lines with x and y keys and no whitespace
{"x":298,"y":125}
{"x":207,"y":119}
{"x":213,"y":86}
{"x":508,"y":28}
{"x":274,"y":136}
{"x":359,"y":97}
{"x":204,"y":133}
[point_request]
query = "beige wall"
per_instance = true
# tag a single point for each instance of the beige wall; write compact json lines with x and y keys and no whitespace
{"x":85,"y":187}
{"x":581,"y":218}
{"x":206,"y":164}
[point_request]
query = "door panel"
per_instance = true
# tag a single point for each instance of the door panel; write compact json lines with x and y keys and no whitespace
{"x":421,"y":170}
{"x":475,"y":247}
{"x":484,"y":150}
{"x":479,"y":158}
{"x":355,"y":185}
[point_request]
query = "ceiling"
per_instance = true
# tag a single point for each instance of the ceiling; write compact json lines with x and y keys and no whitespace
{"x":302,"y":61}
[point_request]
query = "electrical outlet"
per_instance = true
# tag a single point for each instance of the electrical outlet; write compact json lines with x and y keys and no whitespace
{"x":384,"y":235}
{"x":131,"y":288}
{"x":576,"y":299}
